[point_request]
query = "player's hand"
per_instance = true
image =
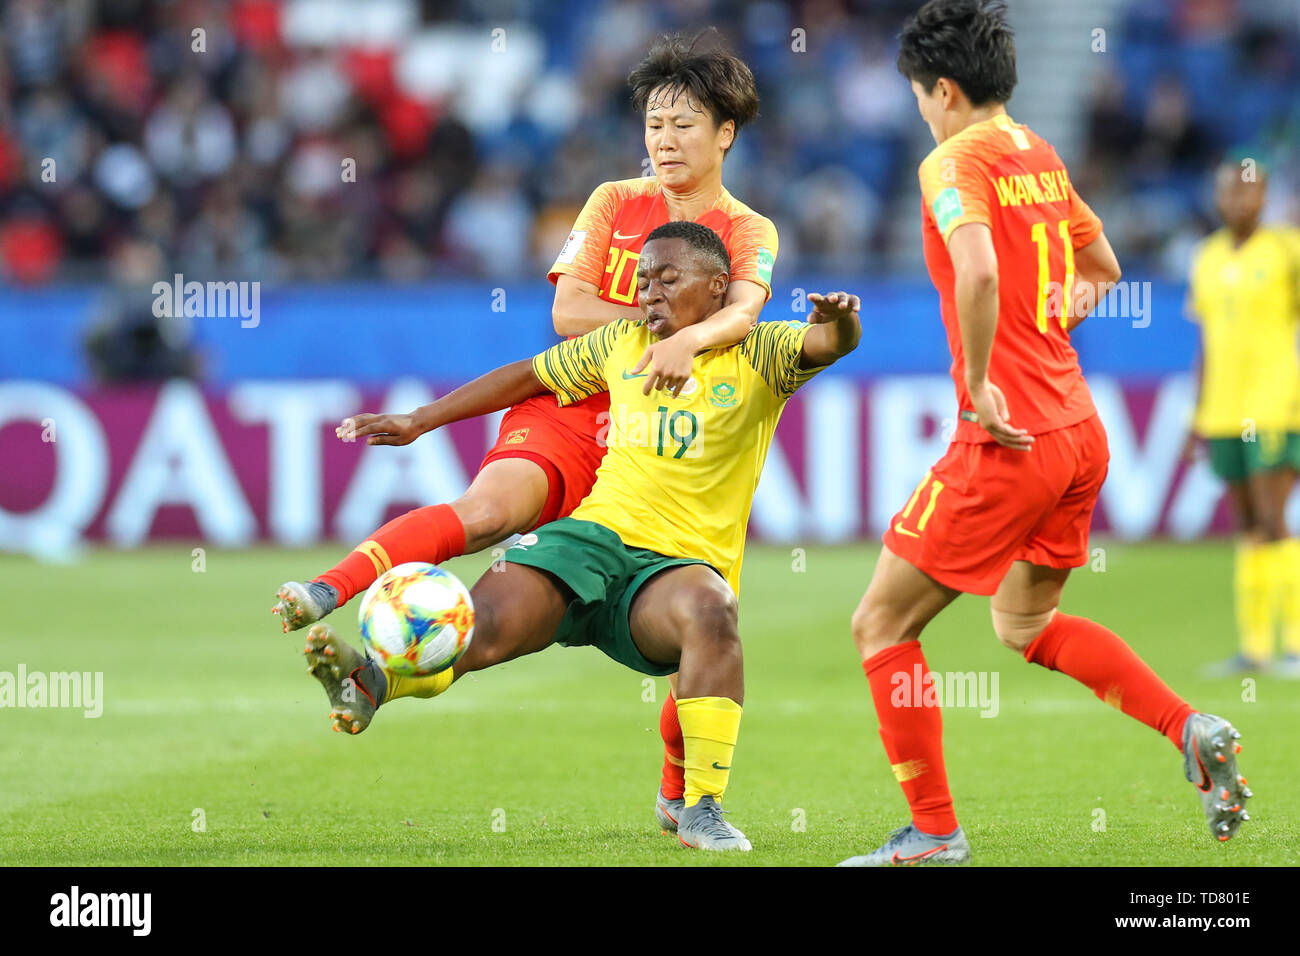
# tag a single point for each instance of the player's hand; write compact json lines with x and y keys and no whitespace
{"x":669,"y":362}
{"x":380,"y":429}
{"x":832,"y":306}
{"x":991,"y":407}
{"x":1191,"y":445}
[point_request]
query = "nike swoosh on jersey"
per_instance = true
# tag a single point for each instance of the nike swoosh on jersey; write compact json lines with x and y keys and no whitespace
{"x":619,"y":235}
{"x":628,"y":375}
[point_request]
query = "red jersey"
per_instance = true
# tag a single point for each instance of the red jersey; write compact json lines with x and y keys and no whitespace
{"x":1000,"y":173}
{"x":607,"y":237}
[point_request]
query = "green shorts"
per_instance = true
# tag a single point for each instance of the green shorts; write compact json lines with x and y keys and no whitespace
{"x":1234,"y":459}
{"x":604,"y":575}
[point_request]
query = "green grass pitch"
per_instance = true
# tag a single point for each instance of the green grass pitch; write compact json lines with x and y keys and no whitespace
{"x":209,"y":714}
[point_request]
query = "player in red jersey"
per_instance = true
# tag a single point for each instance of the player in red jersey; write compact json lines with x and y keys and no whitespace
{"x":694,"y":102}
{"x":1017,"y":258}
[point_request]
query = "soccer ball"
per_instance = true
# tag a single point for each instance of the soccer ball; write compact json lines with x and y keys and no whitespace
{"x":416,"y":619}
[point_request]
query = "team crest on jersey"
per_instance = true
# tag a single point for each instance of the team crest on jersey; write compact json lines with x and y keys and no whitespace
{"x":946,"y":207}
{"x":517,"y":437}
{"x":724,"y":392}
{"x":572,"y":246}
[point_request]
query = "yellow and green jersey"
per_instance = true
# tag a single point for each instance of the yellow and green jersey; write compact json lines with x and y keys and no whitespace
{"x":1247,"y":302}
{"x":680,"y":473}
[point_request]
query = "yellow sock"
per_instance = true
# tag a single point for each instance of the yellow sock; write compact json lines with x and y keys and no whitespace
{"x":1254,"y":613}
{"x":1291,"y":597}
{"x":431,"y":686}
{"x":709,"y":729}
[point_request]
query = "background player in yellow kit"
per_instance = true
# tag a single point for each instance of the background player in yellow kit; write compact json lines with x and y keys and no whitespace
{"x":648,"y":566}
{"x":1245,"y":295}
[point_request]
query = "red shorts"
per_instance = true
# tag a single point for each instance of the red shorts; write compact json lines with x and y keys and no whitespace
{"x":562,"y":440}
{"x":983,"y":506}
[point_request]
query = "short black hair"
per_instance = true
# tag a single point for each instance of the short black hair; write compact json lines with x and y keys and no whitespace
{"x":968,"y":41}
{"x":713,"y":77}
{"x":700,"y":238}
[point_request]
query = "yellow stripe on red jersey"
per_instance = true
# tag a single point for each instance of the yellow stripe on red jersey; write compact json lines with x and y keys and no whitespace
{"x":680,"y":473}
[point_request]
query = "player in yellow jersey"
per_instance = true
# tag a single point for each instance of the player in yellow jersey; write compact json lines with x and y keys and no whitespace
{"x":694,"y":99}
{"x":648,"y":566}
{"x":1245,"y":295}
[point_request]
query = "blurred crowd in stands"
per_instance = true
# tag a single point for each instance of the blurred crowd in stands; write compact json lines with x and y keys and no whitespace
{"x":324,"y":139}
{"x":1197,"y":80}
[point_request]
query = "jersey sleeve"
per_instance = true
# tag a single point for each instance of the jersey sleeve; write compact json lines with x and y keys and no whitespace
{"x":587,"y":247}
{"x":955,"y":189}
{"x":773,"y":349}
{"x":753,"y":251}
{"x":1085,"y":225}
{"x":575,"y":369}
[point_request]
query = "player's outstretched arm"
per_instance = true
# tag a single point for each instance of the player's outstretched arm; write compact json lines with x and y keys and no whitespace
{"x":836,"y":331}
{"x":498,"y":389}
{"x":671,"y":359}
{"x":1095,"y":270}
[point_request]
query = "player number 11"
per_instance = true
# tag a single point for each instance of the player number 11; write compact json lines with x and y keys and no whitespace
{"x":936,"y":486}
{"x":1038,"y":232}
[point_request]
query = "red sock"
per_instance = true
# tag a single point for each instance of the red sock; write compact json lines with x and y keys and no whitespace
{"x":673,"y":781}
{"x":431,"y":534}
{"x":913,"y":734}
{"x":1099,"y":659}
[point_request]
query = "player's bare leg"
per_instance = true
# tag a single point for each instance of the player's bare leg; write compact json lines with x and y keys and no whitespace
{"x":688,"y":614}
{"x":900,"y":601}
{"x":1026,"y":619}
{"x":516,"y":612}
{"x":506,"y":497}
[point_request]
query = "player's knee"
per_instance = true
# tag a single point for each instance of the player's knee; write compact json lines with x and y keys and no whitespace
{"x":1018,"y":630}
{"x":708,"y":615}
{"x":877,"y":626}
{"x":486,"y":518}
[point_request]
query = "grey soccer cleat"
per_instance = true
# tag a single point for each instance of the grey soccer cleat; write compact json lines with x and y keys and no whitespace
{"x":355,"y":685}
{"x":908,"y":846}
{"x":702,"y":827}
{"x":1234,"y":666}
{"x":1288,"y":667}
{"x":668,"y":812}
{"x":1210,"y":762}
{"x":301,"y":604}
